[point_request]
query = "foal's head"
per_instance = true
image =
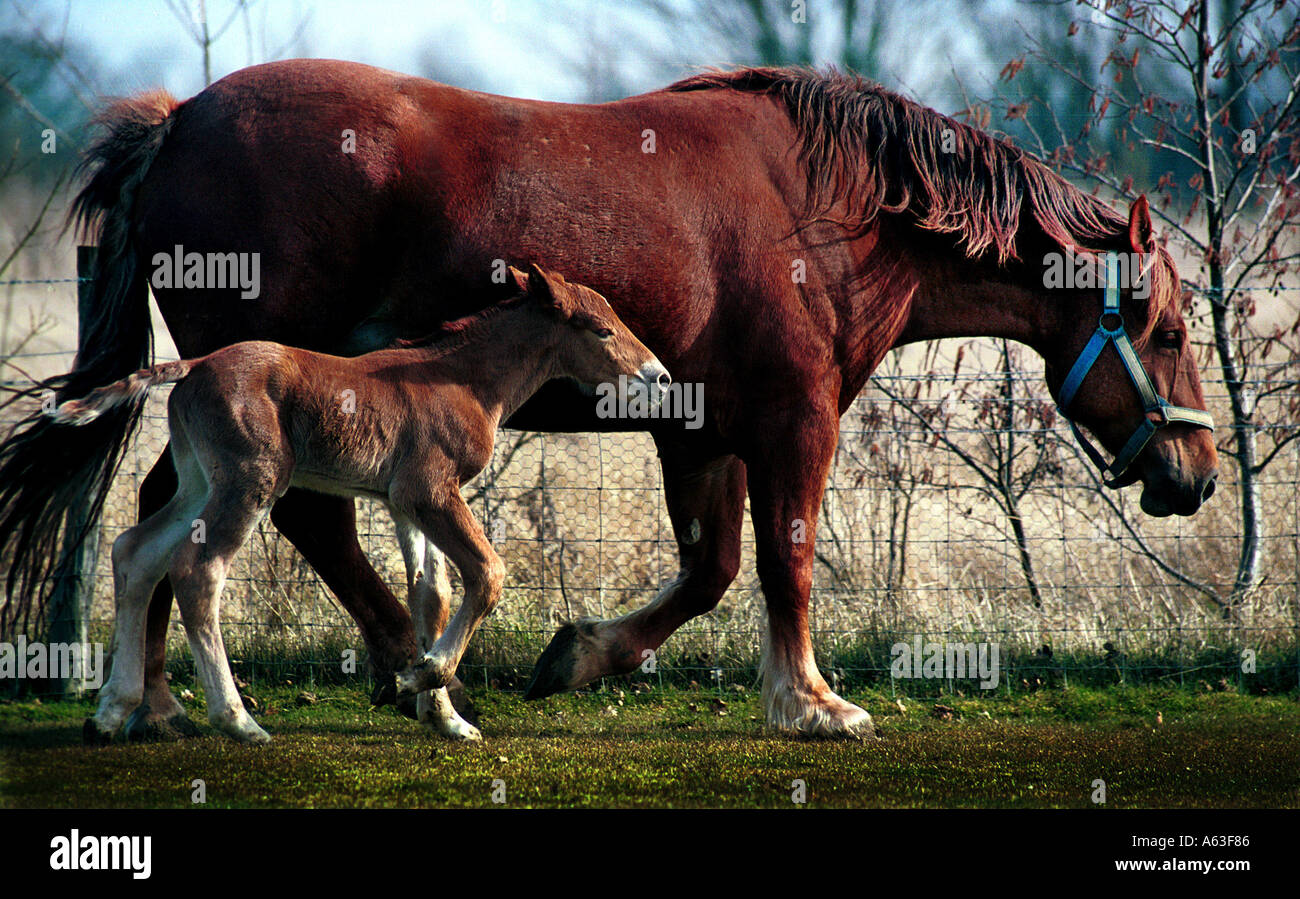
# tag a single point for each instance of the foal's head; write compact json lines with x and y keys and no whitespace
{"x":595,"y":346}
{"x":1154,"y":424}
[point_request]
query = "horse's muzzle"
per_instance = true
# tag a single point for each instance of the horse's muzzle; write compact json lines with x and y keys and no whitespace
{"x":1164,"y":495}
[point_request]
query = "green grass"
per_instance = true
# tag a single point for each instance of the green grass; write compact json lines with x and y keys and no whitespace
{"x":503,"y":656}
{"x":673,"y":748}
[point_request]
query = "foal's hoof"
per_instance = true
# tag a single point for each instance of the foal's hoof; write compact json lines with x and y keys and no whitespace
{"x":425,"y":674}
{"x":818,"y":716}
{"x":252,"y":735}
{"x":144,"y":727}
{"x":91,"y":735}
{"x":461,"y":732}
{"x":408,"y":703}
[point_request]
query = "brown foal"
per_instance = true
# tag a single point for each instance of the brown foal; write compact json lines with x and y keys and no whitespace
{"x":408,"y":426}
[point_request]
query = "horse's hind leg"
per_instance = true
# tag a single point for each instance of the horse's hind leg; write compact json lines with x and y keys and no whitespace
{"x":430,"y":599}
{"x":324,"y":529}
{"x":160,"y":716}
{"x":198,"y":575}
{"x":706,"y":502}
{"x":140,"y":559}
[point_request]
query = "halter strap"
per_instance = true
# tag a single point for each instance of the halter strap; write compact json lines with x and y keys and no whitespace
{"x":1152,"y":402}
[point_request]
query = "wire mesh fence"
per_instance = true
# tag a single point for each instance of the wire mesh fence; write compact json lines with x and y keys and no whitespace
{"x":958,"y":509}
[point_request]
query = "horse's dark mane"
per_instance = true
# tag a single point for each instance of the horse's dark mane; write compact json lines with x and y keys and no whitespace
{"x":451,"y":336}
{"x":882,"y":152}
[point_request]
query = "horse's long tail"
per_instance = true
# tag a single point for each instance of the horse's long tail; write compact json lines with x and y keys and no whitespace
{"x":45,"y":467}
{"x":131,"y":389}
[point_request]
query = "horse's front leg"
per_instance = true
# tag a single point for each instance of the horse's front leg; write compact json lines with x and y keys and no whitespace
{"x":450,"y":525}
{"x":787,"y":467}
{"x":429,"y":596}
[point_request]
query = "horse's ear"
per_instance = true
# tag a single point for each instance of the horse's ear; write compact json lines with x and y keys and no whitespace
{"x":1141,"y":233}
{"x":550,"y":290}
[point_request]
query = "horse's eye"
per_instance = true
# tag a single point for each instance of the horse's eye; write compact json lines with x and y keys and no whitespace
{"x":1170,"y":340}
{"x":605,"y":333}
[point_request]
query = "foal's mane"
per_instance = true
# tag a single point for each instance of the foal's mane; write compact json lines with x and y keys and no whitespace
{"x":451,"y":336}
{"x":883,"y":152}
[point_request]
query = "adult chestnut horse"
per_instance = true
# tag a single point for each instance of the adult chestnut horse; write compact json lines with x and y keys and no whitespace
{"x":771,"y":233}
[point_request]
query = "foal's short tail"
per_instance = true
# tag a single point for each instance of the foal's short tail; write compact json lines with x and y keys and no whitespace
{"x":131,"y":389}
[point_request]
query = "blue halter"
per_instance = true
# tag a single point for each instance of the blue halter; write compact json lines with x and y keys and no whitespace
{"x":1152,"y":402}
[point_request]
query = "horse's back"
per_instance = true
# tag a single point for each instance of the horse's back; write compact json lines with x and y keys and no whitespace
{"x":383,"y":201}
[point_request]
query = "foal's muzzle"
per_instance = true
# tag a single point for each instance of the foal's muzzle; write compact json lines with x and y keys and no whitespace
{"x":656,"y":379}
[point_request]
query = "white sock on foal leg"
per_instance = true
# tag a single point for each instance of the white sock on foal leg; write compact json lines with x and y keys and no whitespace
{"x":140,"y":559}
{"x":428,"y":595}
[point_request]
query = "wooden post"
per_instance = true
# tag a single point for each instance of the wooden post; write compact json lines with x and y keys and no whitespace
{"x":75,"y":575}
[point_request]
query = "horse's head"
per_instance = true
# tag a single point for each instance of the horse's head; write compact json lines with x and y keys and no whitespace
{"x":1122,"y":367}
{"x":595,"y":346}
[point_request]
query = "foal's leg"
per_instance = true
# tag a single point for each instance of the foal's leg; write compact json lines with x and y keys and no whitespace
{"x":449,"y":523}
{"x":238,"y":500}
{"x":160,"y":716}
{"x":429,"y":595}
{"x":140,"y":559}
{"x":706,"y":502}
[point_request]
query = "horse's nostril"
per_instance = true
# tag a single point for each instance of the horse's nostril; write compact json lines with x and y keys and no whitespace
{"x":1208,"y":491}
{"x":664,"y":380}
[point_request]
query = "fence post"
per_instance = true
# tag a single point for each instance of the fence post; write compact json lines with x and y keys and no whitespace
{"x":74,"y":576}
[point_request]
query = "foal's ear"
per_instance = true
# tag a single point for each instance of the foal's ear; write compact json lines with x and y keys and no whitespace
{"x":519,"y":279}
{"x":1141,"y":233}
{"x":550,"y":290}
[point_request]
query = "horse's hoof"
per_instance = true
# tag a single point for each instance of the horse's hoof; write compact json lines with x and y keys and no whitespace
{"x":461,"y":702}
{"x":554,"y":670}
{"x":385,"y":692}
{"x":91,"y":735}
{"x":817,"y":716}
{"x":141,"y":727}
{"x":407,"y":706}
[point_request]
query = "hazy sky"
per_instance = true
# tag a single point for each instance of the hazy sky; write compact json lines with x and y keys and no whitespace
{"x":566,"y":50}
{"x":546,"y":49}
{"x":145,"y":41}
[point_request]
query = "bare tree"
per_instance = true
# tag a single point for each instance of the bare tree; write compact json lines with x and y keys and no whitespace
{"x":1209,"y":90}
{"x":194,"y":18}
{"x":1016,"y":451}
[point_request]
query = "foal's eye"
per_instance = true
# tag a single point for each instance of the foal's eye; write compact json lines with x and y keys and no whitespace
{"x":605,"y":333}
{"x":1170,"y":340}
